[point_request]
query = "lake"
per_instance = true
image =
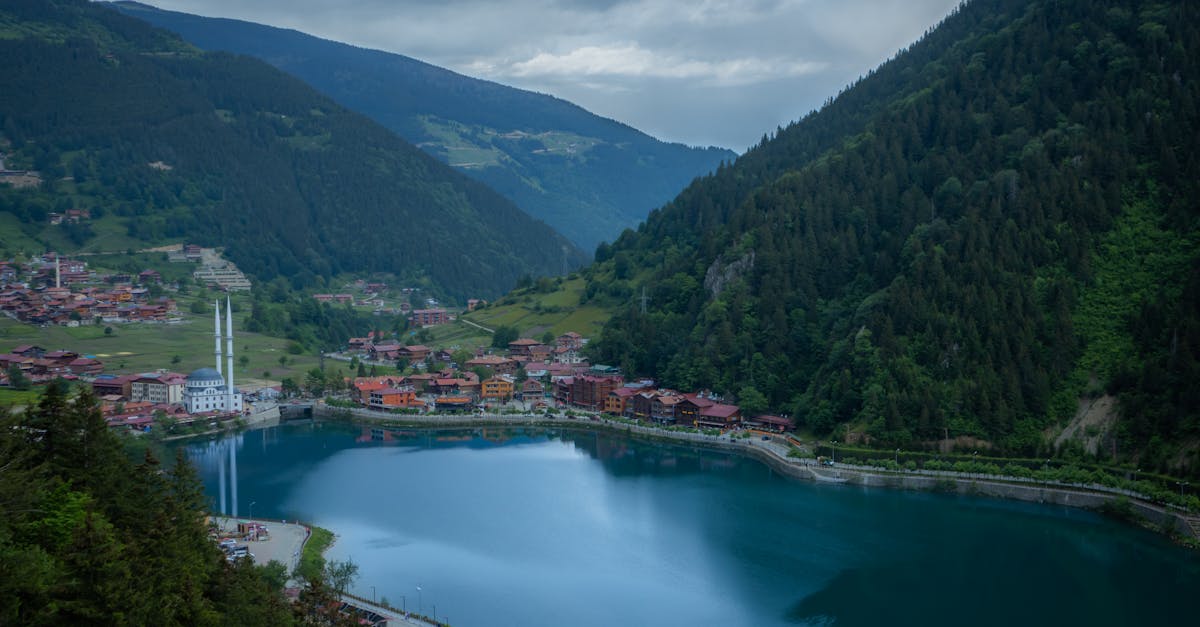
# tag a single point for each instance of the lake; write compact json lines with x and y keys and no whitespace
{"x":543,"y":527}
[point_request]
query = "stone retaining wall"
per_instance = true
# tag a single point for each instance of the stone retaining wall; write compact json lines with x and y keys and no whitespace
{"x":1015,"y":488}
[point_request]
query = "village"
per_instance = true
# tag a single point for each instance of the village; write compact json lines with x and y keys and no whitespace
{"x":529,"y":377}
{"x":533,"y":376}
{"x":49,"y":289}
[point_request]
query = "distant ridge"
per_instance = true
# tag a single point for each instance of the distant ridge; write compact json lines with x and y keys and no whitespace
{"x":589,"y":177}
{"x":168,"y":143}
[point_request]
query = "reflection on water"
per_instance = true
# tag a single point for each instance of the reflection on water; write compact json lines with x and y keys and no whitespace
{"x":536,"y":526}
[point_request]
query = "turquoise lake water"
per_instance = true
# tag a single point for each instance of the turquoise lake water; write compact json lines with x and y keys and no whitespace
{"x":547,"y":527}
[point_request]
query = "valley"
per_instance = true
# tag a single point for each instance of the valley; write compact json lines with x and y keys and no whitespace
{"x":484,"y":335}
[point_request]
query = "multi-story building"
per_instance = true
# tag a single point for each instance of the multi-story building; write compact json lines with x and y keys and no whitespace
{"x":496,"y":388}
{"x":157,"y":388}
{"x":428,"y":317}
{"x":391,"y":398}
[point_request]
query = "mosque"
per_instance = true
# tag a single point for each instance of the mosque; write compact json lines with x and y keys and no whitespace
{"x":206,"y":390}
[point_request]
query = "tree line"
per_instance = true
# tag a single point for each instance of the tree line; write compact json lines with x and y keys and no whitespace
{"x":995,"y":223}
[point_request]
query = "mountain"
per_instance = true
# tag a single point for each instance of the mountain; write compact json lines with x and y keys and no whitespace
{"x":586,"y":176}
{"x":990,"y":238}
{"x":168,"y":143}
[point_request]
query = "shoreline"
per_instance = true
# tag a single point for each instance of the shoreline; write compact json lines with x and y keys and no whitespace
{"x":1130,"y":506}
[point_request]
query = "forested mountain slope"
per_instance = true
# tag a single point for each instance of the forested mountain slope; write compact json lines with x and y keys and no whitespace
{"x":89,"y":538}
{"x":997,"y":222}
{"x":588,"y":177}
{"x":229,"y":151}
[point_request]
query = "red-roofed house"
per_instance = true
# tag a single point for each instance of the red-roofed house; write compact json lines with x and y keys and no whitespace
{"x":391,"y":398}
{"x":688,"y":411}
{"x":113,"y":385}
{"x":570,"y":339}
{"x":86,"y":366}
{"x":415,"y":354}
{"x":496,"y":388}
{"x":618,"y":401}
{"x":498,"y":365}
{"x":662,"y":408}
{"x":720,"y":416}
{"x":771,"y":423}
{"x":363,"y":390}
{"x":532,"y":389}
{"x":385,"y":352}
{"x":29,"y":350}
{"x":522,"y":346}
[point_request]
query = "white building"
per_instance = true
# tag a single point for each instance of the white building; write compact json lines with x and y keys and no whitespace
{"x":206,"y":389}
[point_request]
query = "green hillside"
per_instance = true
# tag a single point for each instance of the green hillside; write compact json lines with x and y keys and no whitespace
{"x":997,"y":222}
{"x":586,"y":176}
{"x":163,"y":143}
{"x":544,"y":306}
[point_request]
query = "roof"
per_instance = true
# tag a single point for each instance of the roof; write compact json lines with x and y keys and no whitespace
{"x":389,"y":391}
{"x":204,"y":374}
{"x":525,"y":341}
{"x":719,"y":410}
{"x":774,"y":420}
{"x":489,"y":359}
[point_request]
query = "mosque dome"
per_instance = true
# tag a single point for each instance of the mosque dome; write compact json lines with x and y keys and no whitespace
{"x":205,"y":376}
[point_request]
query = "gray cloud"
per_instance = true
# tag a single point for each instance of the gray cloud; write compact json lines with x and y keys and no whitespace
{"x":720,"y":72}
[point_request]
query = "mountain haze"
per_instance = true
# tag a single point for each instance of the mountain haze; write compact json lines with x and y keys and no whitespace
{"x":990,"y":231}
{"x":587,"y":176}
{"x":169,"y":143}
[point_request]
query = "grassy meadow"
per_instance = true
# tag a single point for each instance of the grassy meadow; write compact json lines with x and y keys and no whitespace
{"x":132,"y":348}
{"x":533,"y":313}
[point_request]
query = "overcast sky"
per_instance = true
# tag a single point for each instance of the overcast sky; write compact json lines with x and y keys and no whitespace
{"x":701,"y":72}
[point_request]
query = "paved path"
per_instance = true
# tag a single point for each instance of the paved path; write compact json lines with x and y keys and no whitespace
{"x":478,"y":326}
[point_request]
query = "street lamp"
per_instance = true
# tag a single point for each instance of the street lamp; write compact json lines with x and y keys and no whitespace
{"x":252,"y":509}
{"x":1181,"y":484}
{"x":372,"y":594}
{"x":897,"y":457}
{"x":420,"y":603}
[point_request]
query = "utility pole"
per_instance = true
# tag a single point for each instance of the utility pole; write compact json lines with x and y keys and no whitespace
{"x":644,"y":299}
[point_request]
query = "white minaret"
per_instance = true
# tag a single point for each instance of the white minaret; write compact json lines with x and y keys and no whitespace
{"x":217,"y":332}
{"x":229,"y":392}
{"x":57,"y":271}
